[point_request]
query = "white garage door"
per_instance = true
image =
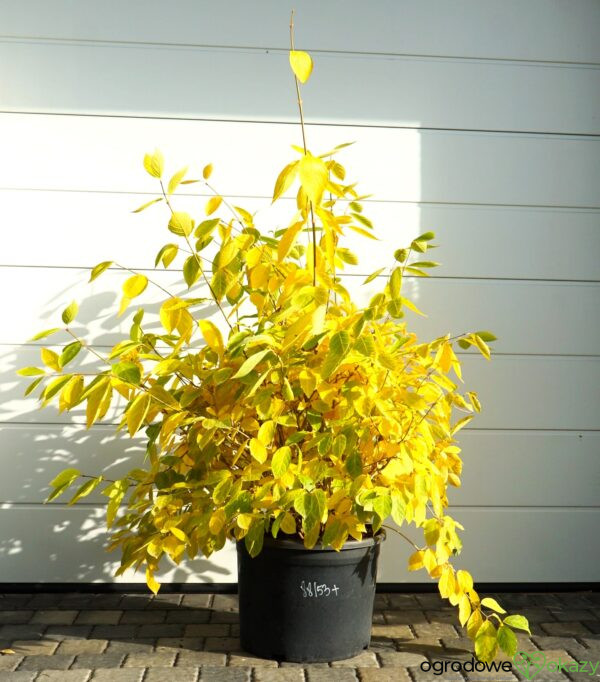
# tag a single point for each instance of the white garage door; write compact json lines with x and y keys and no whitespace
{"x":476,"y":120}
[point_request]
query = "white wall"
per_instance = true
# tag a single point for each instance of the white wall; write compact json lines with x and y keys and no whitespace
{"x":476,"y":120}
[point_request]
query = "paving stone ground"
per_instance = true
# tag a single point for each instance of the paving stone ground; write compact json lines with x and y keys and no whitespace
{"x":195,"y":638}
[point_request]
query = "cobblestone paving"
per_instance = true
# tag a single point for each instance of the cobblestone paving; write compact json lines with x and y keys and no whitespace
{"x":194,"y":638}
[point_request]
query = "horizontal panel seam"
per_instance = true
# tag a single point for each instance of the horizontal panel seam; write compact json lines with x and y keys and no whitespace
{"x":308,"y":122}
{"x":433,"y":277}
{"x":99,"y":42}
{"x":481,"y":204}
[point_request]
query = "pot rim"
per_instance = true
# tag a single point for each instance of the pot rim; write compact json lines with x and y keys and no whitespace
{"x":296,"y":544}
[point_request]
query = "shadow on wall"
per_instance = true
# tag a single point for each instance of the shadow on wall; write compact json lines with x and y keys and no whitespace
{"x":56,"y":542}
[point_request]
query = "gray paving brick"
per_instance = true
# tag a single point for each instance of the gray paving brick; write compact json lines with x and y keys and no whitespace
{"x":225,"y":602}
{"x":564,"y":629}
{"x":383,"y":675}
{"x":130,"y":646}
{"x":188,"y":616}
{"x":137,"y":602}
{"x":214,"y":674}
{"x":23,"y":676}
{"x":391,"y":631}
{"x":118,"y":675}
{"x":12,"y":632}
{"x":197,"y":600}
{"x":41,"y":662}
{"x":99,"y":617}
{"x":329,"y":675}
{"x":224,"y":617}
{"x":14,"y":617}
{"x":159,"y":674}
{"x":114,"y":631}
{"x":208,"y":630}
{"x":400,"y":659}
{"x":436,"y":630}
{"x":82,"y":646}
{"x":150,"y":660}
{"x":161,"y":630}
{"x":10,"y":661}
{"x":63,"y":676}
{"x":180,"y":643}
{"x":34,"y":646}
{"x":93,"y":661}
{"x":253,"y":661}
{"x":59,"y":632}
{"x":366,"y":659}
{"x":54,"y":617}
{"x":403,"y":601}
{"x":222,"y":644}
{"x":420,"y":675}
{"x":211,"y":659}
{"x":45,"y":600}
{"x":165,"y":601}
{"x":405,"y":617}
{"x":279,"y":675}
{"x":143,"y":617}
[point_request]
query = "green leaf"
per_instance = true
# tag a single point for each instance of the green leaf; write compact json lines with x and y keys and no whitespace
{"x":373,"y":275}
{"x":70,"y":313}
{"x":127,"y":371}
{"x":250,"y":363}
{"x":486,"y":336}
{"x":254,"y":538}
{"x":181,"y":224}
{"x":62,"y":482}
{"x":507,"y":640}
{"x":86,"y":489}
{"x":206,"y":227}
{"x":69,"y":352}
{"x":281,"y":461}
{"x":427,"y":236}
{"x":395,"y":283}
{"x":339,"y":345}
{"x":191,"y":270}
{"x":139,"y":209}
{"x":365,"y":346}
{"x":486,"y":643}
{"x":32,"y":386}
{"x":425,"y":264}
{"x":519,"y":622}
{"x":97,"y":270}
{"x":354,"y":464}
{"x":30,"y":371}
{"x":382,"y":506}
{"x":398,"y":507}
{"x":166,"y":255}
{"x":45,"y":333}
{"x":401,"y":255}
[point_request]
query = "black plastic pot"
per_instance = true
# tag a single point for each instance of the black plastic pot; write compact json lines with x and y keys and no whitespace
{"x":307,"y":605}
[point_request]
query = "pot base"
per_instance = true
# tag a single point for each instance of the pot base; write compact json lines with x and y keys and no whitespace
{"x":307,"y":606}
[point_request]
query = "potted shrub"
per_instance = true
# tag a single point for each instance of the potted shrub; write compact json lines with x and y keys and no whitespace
{"x":298,"y":426}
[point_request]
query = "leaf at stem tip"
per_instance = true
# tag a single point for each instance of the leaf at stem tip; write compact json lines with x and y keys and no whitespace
{"x":70,"y":312}
{"x":154,"y":164}
{"x":302,"y":65}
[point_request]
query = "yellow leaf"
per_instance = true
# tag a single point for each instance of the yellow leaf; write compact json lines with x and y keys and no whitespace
{"x":7,"y":652}
{"x":302,"y":65}
{"x":217,"y":521}
{"x":137,"y":412}
{"x":464,"y":580}
{"x":181,"y":223}
{"x":492,"y":604}
{"x":285,"y":179}
{"x":152,"y":583}
{"x":464,"y":609}
{"x":288,"y":525}
{"x":288,"y":239}
{"x":207,"y":171}
{"x":258,"y":450}
{"x":266,"y":433}
{"x":134,"y":286}
{"x":212,"y":336}
{"x":415,"y":561}
{"x":175,"y":180}
{"x":212,"y":205}
{"x":154,"y":164}
{"x":313,"y":177}
{"x":474,"y":623}
{"x":50,"y":359}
